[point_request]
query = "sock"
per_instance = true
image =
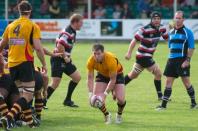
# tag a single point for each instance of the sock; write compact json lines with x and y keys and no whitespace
{"x":167,"y":94}
{"x":127,"y":79}
{"x":38,"y":107}
{"x":71,"y":87}
{"x":121,"y":108}
{"x":17,"y":108}
{"x":50,"y":91}
{"x":158,"y":88}
{"x":28,"y":115}
{"x":3,"y":107}
{"x":191,"y":93}
{"x":104,"y":110}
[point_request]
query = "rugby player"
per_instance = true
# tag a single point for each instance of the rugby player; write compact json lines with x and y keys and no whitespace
{"x":64,"y":44}
{"x":109,"y":78}
{"x":23,"y":37}
{"x":149,"y":36}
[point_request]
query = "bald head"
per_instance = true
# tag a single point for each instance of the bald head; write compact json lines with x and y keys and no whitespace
{"x":180,"y":13}
{"x":179,"y":19}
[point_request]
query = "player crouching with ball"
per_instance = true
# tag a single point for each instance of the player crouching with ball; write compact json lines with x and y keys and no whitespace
{"x":109,"y":78}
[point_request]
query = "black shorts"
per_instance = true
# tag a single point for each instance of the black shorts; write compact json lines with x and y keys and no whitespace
{"x":23,"y":72}
{"x":102,"y":78}
{"x":38,"y":81}
{"x":59,"y":66}
{"x":7,"y":84}
{"x":145,"y":62}
{"x":173,"y":68}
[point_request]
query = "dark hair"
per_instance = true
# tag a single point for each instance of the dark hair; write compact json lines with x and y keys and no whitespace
{"x":97,"y":47}
{"x":75,"y":18}
{"x":24,"y":7}
{"x":155,"y":14}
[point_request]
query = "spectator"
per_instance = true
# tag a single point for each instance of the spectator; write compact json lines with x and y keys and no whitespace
{"x":194,"y":15}
{"x":118,"y":11}
{"x":154,"y":3}
{"x":54,"y":9}
{"x":126,"y":13}
{"x":85,"y":13}
{"x":44,"y":8}
{"x":99,"y":12}
{"x":144,"y":8}
{"x":167,"y":3}
{"x":189,"y":3}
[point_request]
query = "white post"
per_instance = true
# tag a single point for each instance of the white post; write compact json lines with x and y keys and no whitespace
{"x":89,"y":9}
{"x":6,"y":9}
{"x":175,"y":6}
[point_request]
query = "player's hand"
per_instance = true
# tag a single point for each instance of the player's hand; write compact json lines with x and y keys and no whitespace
{"x":185,"y":64}
{"x":44,"y":69}
{"x":128,"y":56}
{"x":45,"y":94}
{"x":67,"y":59}
{"x":55,"y":50}
{"x":57,"y":54}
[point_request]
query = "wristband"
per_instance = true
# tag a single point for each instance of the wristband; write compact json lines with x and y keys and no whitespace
{"x":188,"y":59}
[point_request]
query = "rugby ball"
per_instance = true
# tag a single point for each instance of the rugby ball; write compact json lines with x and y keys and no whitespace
{"x":96,"y":101}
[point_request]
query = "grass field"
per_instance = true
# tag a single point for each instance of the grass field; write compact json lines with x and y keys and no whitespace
{"x":141,"y":99}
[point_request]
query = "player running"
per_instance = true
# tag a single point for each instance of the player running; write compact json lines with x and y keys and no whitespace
{"x":64,"y":44}
{"x":109,"y":78}
{"x":149,"y":36}
{"x":23,"y":37}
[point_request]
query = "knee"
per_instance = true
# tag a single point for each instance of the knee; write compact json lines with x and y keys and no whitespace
{"x":28,"y":98}
{"x":133,"y":75}
{"x":187,"y":84}
{"x":121,"y":100}
{"x":77,"y":78}
{"x":55,"y":84}
{"x":158,"y":75}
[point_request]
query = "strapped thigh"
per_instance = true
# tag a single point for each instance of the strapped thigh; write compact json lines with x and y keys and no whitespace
{"x":137,"y":69}
{"x":25,"y":86}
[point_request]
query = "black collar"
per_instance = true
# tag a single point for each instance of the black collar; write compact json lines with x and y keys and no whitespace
{"x":180,"y":28}
{"x":72,"y":29}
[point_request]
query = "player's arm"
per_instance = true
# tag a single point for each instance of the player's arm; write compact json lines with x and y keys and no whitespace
{"x":61,"y":49}
{"x":191,"y":47}
{"x":40,"y":53}
{"x":90,"y":82}
{"x":38,"y":47}
{"x":47,"y":52}
{"x":4,"y":40}
{"x":130,"y":49}
{"x":3,"y":44}
{"x":165,"y":34}
{"x":90,"y":76}
{"x":111,"y":83}
{"x":112,"y":66}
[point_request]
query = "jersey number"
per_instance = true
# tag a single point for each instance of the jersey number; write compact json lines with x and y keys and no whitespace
{"x":17,"y":30}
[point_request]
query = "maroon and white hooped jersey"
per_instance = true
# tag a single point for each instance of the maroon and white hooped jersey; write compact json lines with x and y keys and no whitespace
{"x":149,"y":37}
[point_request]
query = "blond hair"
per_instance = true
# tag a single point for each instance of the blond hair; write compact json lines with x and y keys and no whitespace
{"x":75,"y":18}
